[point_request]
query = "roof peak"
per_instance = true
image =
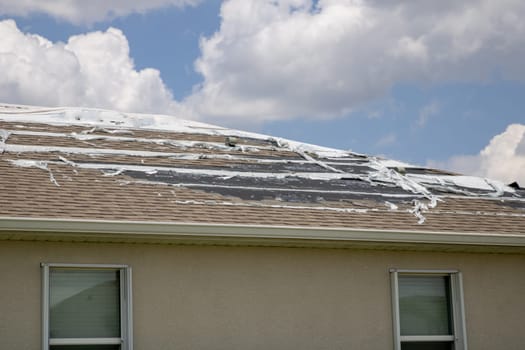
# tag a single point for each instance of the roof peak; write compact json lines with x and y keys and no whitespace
{"x":111,"y":119}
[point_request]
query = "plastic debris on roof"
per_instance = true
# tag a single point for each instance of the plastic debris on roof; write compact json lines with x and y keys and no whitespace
{"x":242,"y":168}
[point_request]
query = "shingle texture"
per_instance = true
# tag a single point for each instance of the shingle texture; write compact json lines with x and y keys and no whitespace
{"x":117,"y":172}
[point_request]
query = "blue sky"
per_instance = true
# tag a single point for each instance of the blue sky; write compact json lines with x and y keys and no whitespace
{"x":427,"y":84}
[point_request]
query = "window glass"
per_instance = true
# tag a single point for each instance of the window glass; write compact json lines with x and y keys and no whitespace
{"x":84,"y":303}
{"x":424,"y":306}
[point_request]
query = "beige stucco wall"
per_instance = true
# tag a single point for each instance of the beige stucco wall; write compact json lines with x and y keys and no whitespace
{"x":197,"y":297}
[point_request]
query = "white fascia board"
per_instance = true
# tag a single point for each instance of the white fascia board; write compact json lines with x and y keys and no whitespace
{"x":166,"y":230}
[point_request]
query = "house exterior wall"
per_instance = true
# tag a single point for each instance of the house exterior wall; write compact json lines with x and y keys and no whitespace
{"x":212,"y":297}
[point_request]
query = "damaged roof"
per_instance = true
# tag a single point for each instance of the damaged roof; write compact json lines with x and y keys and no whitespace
{"x":90,"y":164}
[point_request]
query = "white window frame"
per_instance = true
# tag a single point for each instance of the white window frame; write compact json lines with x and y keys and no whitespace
{"x":126,"y":320}
{"x":459,"y":336}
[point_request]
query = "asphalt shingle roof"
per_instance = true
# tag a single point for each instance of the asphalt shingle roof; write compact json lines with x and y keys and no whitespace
{"x":201,"y":174}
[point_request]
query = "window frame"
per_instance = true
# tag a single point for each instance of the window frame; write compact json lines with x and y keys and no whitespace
{"x":459,"y":336}
{"x":126,"y":316}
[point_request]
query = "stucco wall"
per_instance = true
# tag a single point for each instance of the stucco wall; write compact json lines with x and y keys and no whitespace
{"x":193,"y":297}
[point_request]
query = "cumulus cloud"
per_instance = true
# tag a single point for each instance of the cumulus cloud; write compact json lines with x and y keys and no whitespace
{"x":502,"y":159}
{"x":86,"y":11}
{"x":270,"y":60}
{"x":94,"y":70}
{"x":290,"y":58}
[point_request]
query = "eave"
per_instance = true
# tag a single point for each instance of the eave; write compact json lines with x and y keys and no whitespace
{"x":71,"y":230}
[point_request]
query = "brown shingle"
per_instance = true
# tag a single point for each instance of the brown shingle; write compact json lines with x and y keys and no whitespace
{"x":87,"y":194}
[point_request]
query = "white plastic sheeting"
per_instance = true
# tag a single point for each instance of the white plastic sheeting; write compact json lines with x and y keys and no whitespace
{"x":118,"y":127}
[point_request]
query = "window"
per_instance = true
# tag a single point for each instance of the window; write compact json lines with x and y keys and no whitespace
{"x":428,"y":310}
{"x":86,"y":307}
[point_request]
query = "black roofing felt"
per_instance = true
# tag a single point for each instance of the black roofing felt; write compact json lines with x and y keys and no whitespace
{"x":252,"y":169}
{"x":292,"y":188}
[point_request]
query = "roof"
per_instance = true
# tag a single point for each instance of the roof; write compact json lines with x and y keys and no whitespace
{"x":91,"y":164}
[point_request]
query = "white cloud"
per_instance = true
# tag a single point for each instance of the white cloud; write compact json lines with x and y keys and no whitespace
{"x":290,"y":58}
{"x":502,"y":159}
{"x":94,"y":70}
{"x":86,"y":11}
{"x":270,"y":59}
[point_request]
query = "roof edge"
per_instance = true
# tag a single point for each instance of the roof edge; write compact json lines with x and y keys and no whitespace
{"x":109,"y":230}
